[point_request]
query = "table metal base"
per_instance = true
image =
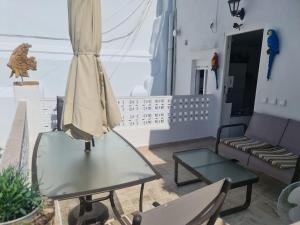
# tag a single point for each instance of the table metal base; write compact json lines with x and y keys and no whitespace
{"x":98,"y":213}
{"x":183,"y":183}
{"x":91,"y":211}
{"x":225,"y":212}
{"x":115,"y":210}
{"x":242,"y":207}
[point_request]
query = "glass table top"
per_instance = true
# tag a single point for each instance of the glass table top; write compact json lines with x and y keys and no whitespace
{"x":218,"y":171}
{"x":213,"y":167}
{"x":198,"y":157}
{"x":64,"y":170}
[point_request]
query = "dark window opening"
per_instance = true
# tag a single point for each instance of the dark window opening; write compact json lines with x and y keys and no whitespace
{"x":200,"y":82}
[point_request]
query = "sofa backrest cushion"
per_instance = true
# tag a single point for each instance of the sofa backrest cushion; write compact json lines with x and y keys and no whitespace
{"x":291,"y":137}
{"x":266,"y":128}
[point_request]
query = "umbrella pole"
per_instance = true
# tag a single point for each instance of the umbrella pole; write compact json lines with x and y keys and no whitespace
{"x":89,"y":212}
{"x":87,"y":145}
{"x":87,"y":149}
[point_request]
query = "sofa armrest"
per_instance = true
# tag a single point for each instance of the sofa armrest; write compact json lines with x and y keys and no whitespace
{"x":221,"y":128}
{"x":296,"y":176}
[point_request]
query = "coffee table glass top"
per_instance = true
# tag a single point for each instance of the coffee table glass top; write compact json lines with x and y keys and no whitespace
{"x":64,"y":170}
{"x":213,"y":167}
{"x":198,"y":157}
{"x":218,"y":171}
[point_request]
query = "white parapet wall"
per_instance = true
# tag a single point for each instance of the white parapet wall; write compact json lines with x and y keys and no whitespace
{"x":16,"y":152}
{"x":8,"y":108}
{"x":31,"y":95}
{"x":156,"y":119}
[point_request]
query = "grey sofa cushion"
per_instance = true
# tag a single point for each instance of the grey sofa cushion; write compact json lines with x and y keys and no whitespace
{"x":291,"y":137}
{"x":266,"y":128}
{"x":257,"y":164}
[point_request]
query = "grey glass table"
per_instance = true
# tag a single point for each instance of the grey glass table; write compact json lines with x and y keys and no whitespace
{"x":63,"y":170}
{"x":210,"y":167}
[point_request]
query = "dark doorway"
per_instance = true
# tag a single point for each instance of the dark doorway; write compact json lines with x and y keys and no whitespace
{"x":200,"y":82}
{"x":243,"y":72}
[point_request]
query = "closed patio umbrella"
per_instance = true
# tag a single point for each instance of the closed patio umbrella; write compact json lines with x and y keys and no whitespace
{"x":90,"y":107}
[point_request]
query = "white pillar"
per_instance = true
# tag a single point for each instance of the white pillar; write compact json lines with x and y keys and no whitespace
{"x":31,"y":94}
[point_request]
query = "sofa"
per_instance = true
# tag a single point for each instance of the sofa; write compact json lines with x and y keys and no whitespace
{"x":270,"y":145}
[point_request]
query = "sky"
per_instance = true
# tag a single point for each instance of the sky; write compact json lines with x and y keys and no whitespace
{"x":126,"y":60}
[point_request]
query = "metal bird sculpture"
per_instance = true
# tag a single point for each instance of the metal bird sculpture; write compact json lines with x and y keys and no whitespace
{"x":20,"y":63}
{"x":273,"y":50}
{"x":215,"y":67}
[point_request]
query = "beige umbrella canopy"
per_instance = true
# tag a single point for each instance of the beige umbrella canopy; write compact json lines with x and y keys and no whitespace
{"x":90,"y":107}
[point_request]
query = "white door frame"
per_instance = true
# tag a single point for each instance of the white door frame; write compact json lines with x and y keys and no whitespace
{"x":227,"y":52}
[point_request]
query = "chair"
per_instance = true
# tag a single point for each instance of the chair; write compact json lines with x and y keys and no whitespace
{"x":196,"y":208}
{"x":59,"y":109}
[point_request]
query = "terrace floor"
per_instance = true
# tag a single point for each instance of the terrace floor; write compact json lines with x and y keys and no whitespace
{"x":262,"y":210}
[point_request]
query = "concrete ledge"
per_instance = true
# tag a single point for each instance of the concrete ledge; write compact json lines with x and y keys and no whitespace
{"x":13,"y":150}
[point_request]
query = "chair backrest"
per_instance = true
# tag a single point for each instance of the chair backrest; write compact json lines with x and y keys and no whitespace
{"x":209,"y":215}
{"x":182,"y":207}
{"x":290,"y":139}
{"x":211,"y":212}
{"x":59,"y":110}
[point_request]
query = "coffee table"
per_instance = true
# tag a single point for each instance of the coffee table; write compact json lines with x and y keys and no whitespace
{"x":210,"y":167}
{"x":63,"y":170}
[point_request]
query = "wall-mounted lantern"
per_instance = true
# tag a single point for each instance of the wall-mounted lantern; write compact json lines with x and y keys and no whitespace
{"x":234,"y":9}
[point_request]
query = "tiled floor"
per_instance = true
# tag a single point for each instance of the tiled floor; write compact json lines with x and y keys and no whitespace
{"x":261,"y":212}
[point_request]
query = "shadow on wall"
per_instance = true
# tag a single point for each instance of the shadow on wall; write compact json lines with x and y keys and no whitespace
{"x":189,"y":117}
{"x":160,"y":40}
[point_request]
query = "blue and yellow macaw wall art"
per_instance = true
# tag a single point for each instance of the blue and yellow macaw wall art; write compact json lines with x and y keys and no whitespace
{"x":273,"y":50}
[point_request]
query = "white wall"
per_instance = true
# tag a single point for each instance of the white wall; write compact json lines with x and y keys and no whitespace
{"x":150,"y":120}
{"x":194,"y":19}
{"x":49,"y":18}
{"x":7,"y":115}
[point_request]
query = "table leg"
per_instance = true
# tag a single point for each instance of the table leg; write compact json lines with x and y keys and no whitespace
{"x":88,"y":205}
{"x":241,"y":207}
{"x":192,"y":181}
{"x":81,"y":206}
{"x":114,"y":208}
{"x":141,"y":198}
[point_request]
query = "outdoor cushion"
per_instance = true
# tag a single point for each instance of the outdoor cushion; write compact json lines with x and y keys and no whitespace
{"x":232,"y":153}
{"x":244,"y":143}
{"x":291,"y":138}
{"x":266,"y":128}
{"x":257,"y":164}
{"x":277,"y":157}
